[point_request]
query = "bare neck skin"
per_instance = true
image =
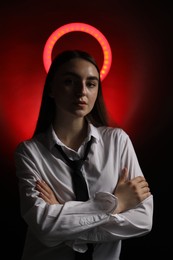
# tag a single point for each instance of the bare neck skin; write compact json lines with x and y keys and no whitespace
{"x":71,"y":131}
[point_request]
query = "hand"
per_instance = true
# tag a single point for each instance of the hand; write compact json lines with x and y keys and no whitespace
{"x":130,"y":192}
{"x":46,"y":193}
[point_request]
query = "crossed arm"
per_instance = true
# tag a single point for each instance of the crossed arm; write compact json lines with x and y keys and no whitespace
{"x":129,"y":192}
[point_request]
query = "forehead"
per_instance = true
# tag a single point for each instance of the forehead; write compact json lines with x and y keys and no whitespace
{"x":78,"y":66}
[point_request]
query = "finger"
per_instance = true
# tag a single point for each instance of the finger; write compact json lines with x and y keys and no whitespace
{"x":42,"y":189}
{"x":44,"y":197}
{"x":139,"y":181}
{"x":146,"y":195}
{"x":123,"y":176}
{"x":43,"y":185}
{"x":146,"y":190}
{"x":144,"y":185}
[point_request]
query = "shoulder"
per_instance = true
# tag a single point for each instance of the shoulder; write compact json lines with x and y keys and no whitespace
{"x":25,"y":145}
{"x":110,"y":136}
{"x":112,"y":133}
{"x":30,"y":145}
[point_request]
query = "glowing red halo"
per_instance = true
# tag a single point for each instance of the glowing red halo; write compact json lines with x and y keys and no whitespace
{"x":82,"y":27}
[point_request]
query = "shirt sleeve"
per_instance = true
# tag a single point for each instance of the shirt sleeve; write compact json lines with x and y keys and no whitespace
{"x":132,"y":223}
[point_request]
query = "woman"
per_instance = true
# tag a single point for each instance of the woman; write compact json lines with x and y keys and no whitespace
{"x":119,"y":203}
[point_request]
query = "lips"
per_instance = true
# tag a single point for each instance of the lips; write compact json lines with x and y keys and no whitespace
{"x":80,"y":102}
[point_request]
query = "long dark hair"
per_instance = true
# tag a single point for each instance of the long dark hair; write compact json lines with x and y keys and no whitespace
{"x":98,"y":115}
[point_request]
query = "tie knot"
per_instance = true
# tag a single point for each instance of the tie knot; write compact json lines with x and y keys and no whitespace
{"x":76,"y":164}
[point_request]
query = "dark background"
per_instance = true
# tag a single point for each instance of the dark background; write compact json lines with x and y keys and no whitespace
{"x":138,"y":93}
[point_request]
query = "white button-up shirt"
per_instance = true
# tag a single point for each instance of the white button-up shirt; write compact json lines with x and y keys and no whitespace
{"x":55,"y":231}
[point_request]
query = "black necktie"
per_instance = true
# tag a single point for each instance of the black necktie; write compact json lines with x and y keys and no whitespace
{"x":80,"y":189}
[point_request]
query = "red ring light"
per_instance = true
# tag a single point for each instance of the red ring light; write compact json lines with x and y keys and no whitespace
{"x":82,"y":27}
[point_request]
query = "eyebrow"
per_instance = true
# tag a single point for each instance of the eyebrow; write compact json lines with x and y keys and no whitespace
{"x":76,"y":75}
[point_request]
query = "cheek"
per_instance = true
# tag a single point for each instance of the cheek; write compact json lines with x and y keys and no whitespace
{"x":59,"y":94}
{"x":93,"y":97}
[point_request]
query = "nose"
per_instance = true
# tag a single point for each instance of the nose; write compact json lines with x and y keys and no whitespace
{"x":81,"y":89}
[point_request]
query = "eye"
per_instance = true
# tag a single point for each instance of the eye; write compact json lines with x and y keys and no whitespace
{"x":69,"y":82}
{"x":92,"y":84}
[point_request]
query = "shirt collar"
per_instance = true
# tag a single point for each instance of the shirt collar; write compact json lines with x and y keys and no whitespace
{"x":53,"y":138}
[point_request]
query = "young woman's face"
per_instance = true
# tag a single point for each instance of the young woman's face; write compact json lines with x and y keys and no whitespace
{"x":75,"y":88}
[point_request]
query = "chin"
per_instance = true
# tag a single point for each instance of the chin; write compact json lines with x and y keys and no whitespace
{"x":80,"y":114}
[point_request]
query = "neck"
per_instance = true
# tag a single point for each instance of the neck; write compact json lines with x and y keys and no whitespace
{"x":71,"y":132}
